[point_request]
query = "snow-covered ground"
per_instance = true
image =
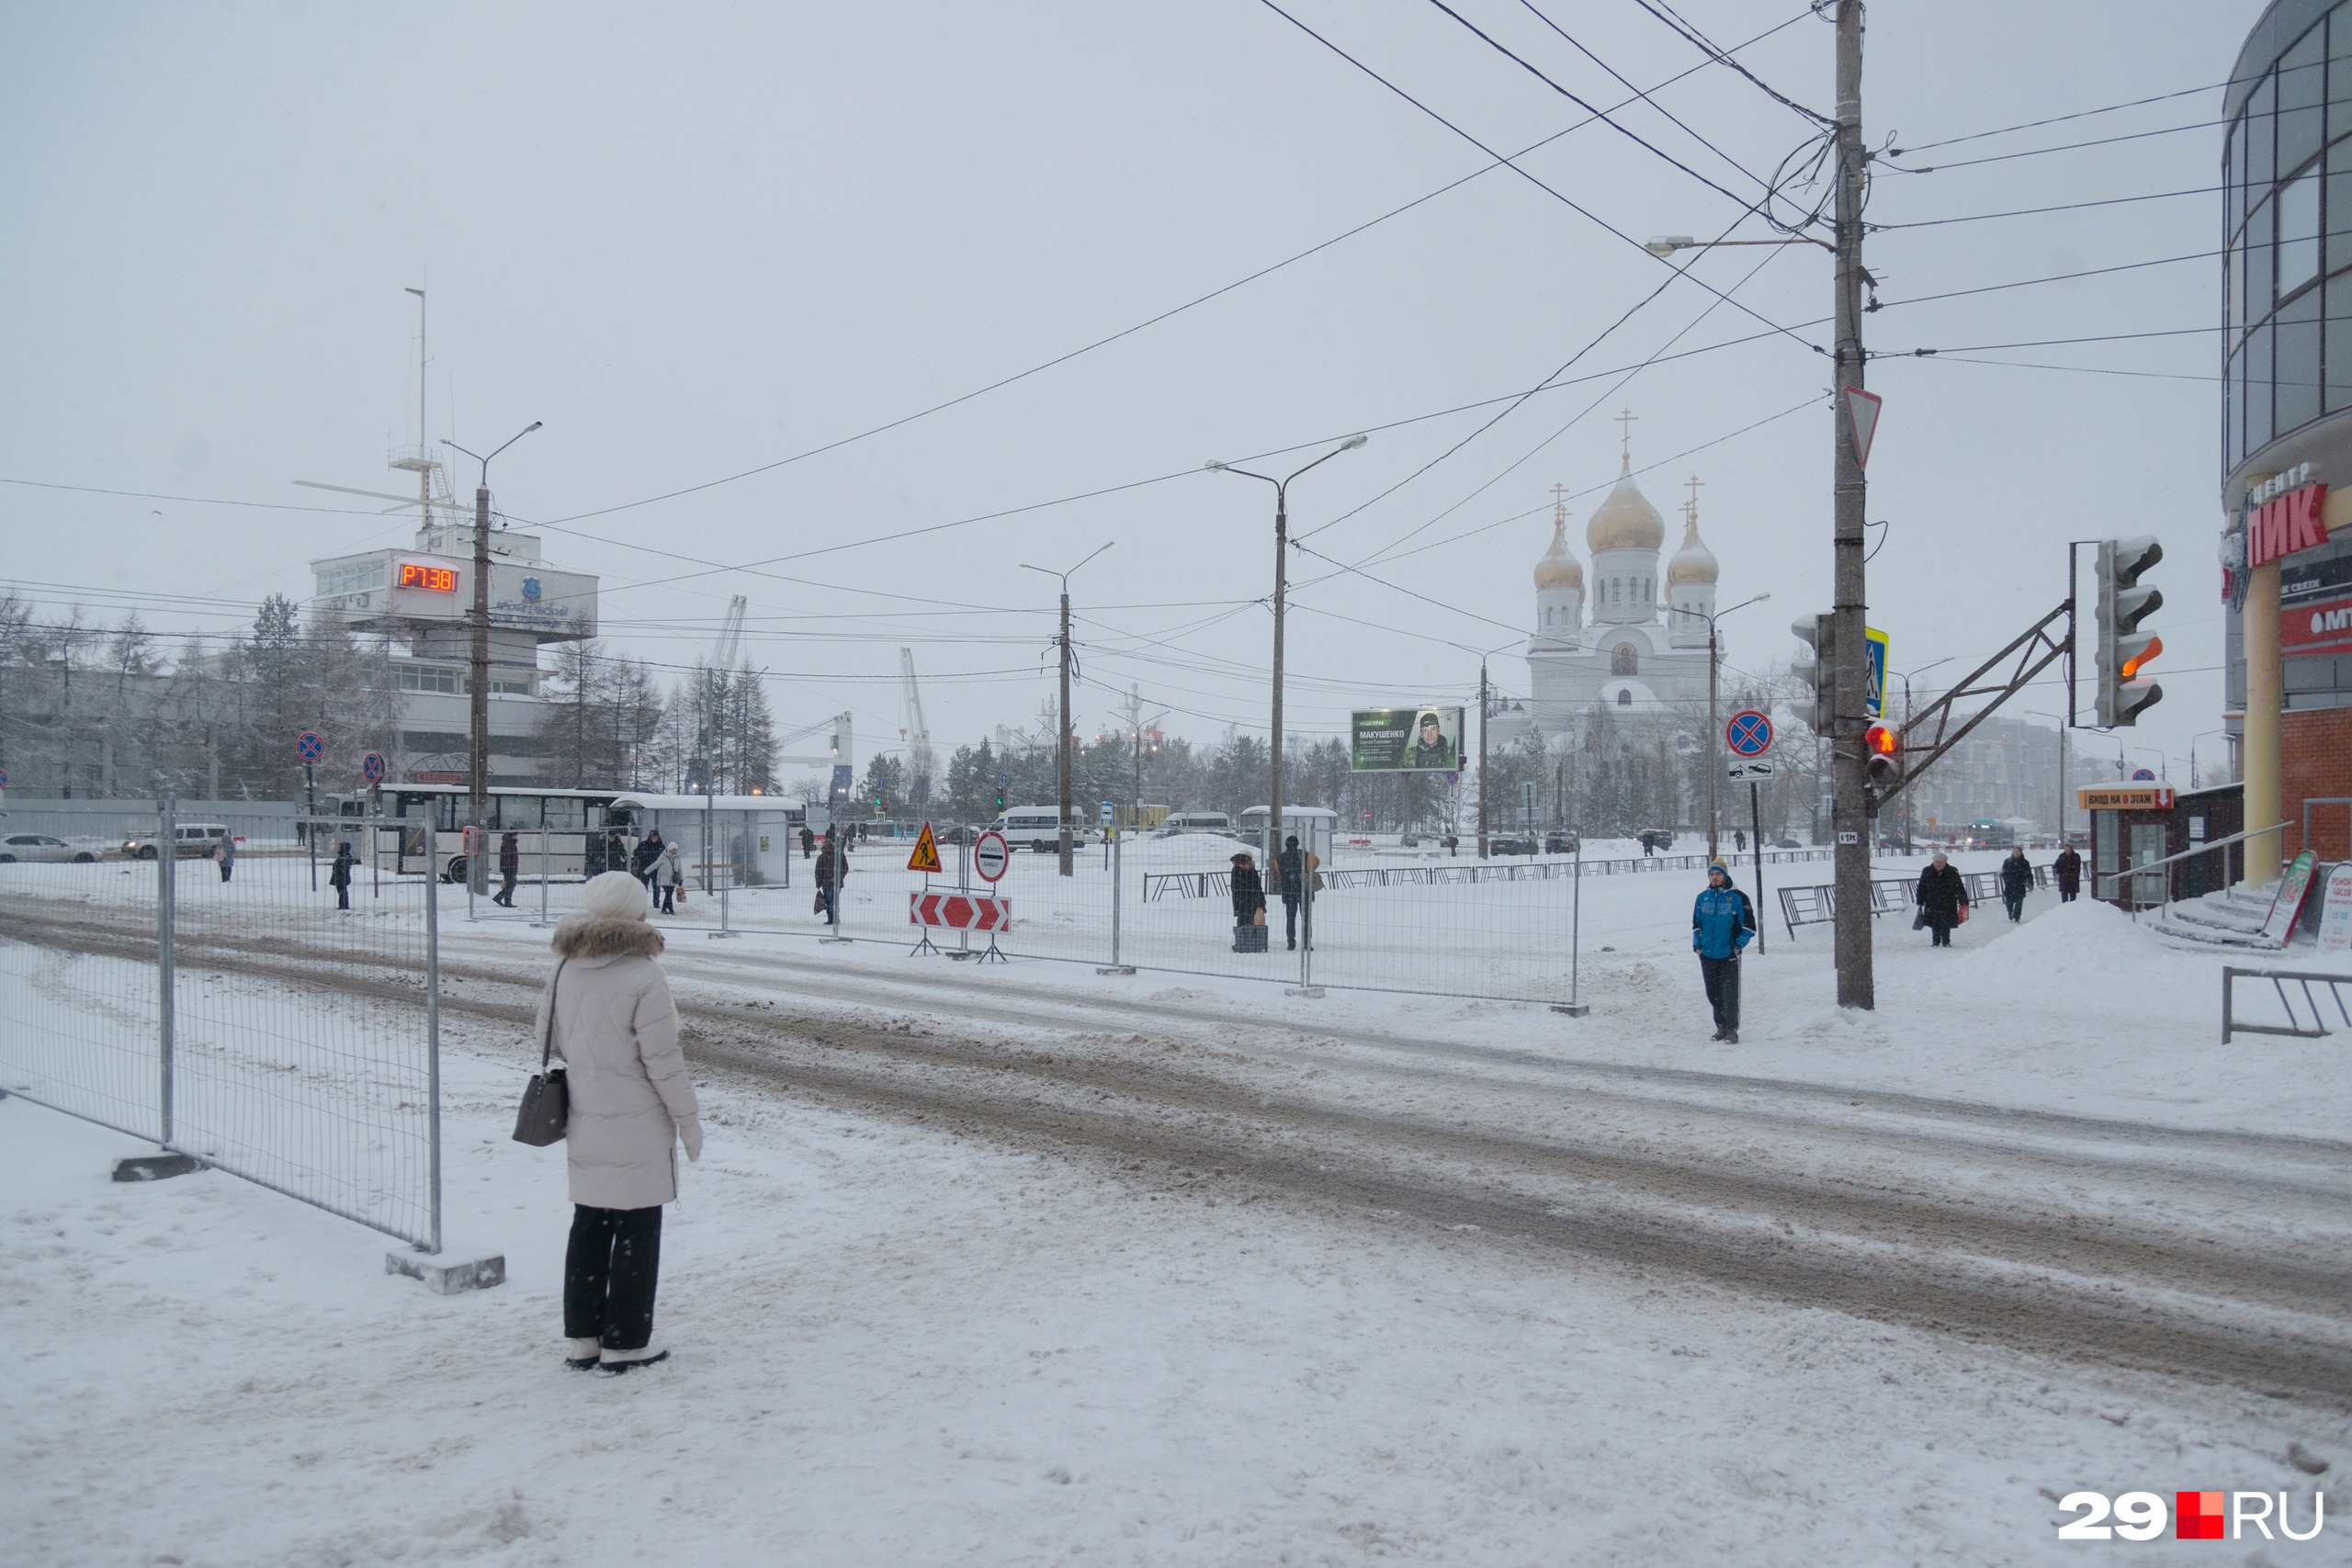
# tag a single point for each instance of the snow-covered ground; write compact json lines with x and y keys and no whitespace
{"x":906,"y":1335}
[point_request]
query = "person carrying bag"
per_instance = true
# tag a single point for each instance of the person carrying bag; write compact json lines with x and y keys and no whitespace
{"x":622,"y":1105}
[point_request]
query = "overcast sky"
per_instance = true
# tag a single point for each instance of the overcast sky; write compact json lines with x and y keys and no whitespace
{"x":699,"y":239}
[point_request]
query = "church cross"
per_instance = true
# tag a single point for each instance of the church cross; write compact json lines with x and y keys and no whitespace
{"x":1625,"y":420}
{"x":1690,"y":508}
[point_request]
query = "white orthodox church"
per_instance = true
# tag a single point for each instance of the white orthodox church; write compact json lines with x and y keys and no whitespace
{"x":1637,"y":644}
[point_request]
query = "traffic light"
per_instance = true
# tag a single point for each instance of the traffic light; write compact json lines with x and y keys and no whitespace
{"x":1820,"y":673}
{"x":1881,"y":758}
{"x":2124,"y":651}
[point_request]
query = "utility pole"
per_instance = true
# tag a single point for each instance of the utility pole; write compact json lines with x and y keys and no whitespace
{"x":478,"y":777}
{"x":1061,"y":745}
{"x":478,"y":791}
{"x":1062,"y":741}
{"x":1485,"y":711}
{"x":1849,"y":817}
{"x":1714,"y":741}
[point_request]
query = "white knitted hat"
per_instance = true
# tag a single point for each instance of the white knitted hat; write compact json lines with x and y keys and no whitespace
{"x":615,"y":896}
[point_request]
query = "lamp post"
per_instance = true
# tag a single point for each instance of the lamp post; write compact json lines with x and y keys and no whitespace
{"x":1923,"y":669}
{"x":2164,"y":764}
{"x":1061,"y":741}
{"x":1281,"y":568}
{"x":2192,"y":752}
{"x":478,"y":792}
{"x":1714,"y":737}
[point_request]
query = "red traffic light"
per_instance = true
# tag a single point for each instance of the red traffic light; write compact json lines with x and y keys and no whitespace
{"x":1880,"y":739}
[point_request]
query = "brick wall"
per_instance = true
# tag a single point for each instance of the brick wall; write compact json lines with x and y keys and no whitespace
{"x":2315,"y":747}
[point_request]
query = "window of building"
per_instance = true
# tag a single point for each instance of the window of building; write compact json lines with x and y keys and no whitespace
{"x":1625,"y":659}
{"x":2302,"y":93}
{"x":1624,"y":698}
{"x":1547,"y":621}
{"x":352,"y":577}
{"x":413,"y":678}
{"x":2338,"y":394}
{"x":2297,"y":337}
{"x":2257,"y":387}
{"x":2298,"y":231}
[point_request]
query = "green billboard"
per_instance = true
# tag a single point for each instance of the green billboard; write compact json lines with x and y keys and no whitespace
{"x":1405,"y":741}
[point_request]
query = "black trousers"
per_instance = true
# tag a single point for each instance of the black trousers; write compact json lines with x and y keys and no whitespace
{"x":506,"y":890}
{"x":2016,"y":906}
{"x":342,"y":896}
{"x":1290,"y":922}
{"x":669,"y":893}
{"x":2067,"y":895}
{"x":609,"y":1274}
{"x":1939,"y":930}
{"x":1722,"y":975}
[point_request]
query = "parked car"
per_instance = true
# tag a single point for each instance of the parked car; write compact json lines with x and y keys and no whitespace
{"x":1657,"y":838}
{"x":1511,"y":846}
{"x":1786,"y":843}
{"x":1559,"y":844}
{"x":193,"y":840}
{"x":41,"y":846}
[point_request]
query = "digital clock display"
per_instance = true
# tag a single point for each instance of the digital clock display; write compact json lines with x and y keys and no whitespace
{"x":436,"y":578}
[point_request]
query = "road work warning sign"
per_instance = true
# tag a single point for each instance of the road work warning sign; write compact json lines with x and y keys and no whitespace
{"x":926,"y":855}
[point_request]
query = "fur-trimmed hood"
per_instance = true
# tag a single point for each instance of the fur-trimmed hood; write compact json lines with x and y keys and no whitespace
{"x":591,"y":936}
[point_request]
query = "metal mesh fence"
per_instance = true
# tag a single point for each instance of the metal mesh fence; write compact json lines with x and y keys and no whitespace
{"x":224,"y":986}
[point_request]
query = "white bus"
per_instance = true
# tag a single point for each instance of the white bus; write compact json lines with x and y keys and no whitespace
{"x":1039,"y":828}
{"x":1197,"y":822}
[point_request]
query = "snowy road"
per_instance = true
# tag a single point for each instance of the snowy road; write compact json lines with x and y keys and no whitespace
{"x":2113,"y":1240}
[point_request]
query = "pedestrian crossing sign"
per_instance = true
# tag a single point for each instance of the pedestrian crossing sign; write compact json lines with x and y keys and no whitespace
{"x":926,"y":855}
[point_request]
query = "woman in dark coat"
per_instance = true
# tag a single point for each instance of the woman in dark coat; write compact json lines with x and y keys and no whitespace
{"x":339,"y":875}
{"x":2068,"y":871}
{"x":510,"y":866}
{"x":1248,"y":892}
{"x":2017,"y":881}
{"x":1941,"y":895}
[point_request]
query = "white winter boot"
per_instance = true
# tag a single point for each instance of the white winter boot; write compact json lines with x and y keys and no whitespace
{"x":582,"y":1354}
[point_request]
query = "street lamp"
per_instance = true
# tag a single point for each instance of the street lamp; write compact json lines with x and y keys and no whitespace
{"x":1061,"y":741}
{"x":1923,"y":669}
{"x":2192,"y":752}
{"x":1282,"y":543}
{"x":1714,"y":756}
{"x":1663,"y":245}
{"x":2163,"y":763}
{"x":478,"y":792}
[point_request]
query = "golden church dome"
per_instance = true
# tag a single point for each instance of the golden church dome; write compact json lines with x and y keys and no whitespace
{"x":1693,"y":562}
{"x":1624,"y":521}
{"x":1558,"y":568}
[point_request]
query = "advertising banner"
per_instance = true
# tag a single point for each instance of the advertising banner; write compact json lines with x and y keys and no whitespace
{"x":1405,"y":741}
{"x":2322,"y":626}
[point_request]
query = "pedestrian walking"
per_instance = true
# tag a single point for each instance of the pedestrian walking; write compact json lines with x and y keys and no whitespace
{"x":2067,"y":871}
{"x":1291,"y":867}
{"x":1248,"y":906}
{"x":1723,"y":922}
{"x":832,"y":871}
{"x":225,"y":852}
{"x":1739,"y":839}
{"x":1452,"y":846}
{"x":1942,"y":896}
{"x":606,"y":1015}
{"x":669,"y":876}
{"x":808,"y":842}
{"x":339,"y":875}
{"x":2017,"y":881}
{"x":510,"y":866}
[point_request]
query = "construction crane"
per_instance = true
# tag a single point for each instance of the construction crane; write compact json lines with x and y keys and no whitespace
{"x":913,"y":732}
{"x":840,"y":758}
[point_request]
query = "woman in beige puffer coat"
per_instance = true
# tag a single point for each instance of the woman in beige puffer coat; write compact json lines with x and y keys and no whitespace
{"x":616,"y":1029}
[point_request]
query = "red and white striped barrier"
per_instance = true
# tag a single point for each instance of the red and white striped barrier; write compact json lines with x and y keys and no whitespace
{"x":960,"y":911}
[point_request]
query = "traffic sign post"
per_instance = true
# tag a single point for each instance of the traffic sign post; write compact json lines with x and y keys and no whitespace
{"x":1737,"y":771}
{"x":371,"y":767}
{"x":991,"y":854}
{"x":926,"y":856}
{"x":2144,"y":776}
{"x":1749,"y":733}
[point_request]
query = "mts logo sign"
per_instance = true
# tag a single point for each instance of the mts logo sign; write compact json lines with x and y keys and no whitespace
{"x":2196,"y":1515}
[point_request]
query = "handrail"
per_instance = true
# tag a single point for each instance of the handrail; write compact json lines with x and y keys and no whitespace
{"x":2293,"y":1027}
{"x":2152,"y":867}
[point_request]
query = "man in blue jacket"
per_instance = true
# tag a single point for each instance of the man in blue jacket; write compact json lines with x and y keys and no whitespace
{"x":1722,"y":924}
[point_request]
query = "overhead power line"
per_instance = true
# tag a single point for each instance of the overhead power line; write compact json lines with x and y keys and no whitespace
{"x":2038,"y":151}
{"x":1691,"y":34}
{"x":1570,"y":202}
{"x":2036,"y":211}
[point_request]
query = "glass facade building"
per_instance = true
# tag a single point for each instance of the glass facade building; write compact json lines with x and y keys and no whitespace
{"x":2286,"y":203}
{"x":2287,"y":311}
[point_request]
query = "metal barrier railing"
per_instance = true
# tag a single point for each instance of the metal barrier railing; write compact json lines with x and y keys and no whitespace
{"x":2280,"y":980}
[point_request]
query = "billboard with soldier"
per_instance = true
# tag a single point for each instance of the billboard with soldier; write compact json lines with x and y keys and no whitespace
{"x":1405,"y":741}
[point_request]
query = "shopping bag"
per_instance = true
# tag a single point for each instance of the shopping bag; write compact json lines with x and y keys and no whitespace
{"x":1919,"y":920}
{"x":1257,"y":916}
{"x":1964,"y":914}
